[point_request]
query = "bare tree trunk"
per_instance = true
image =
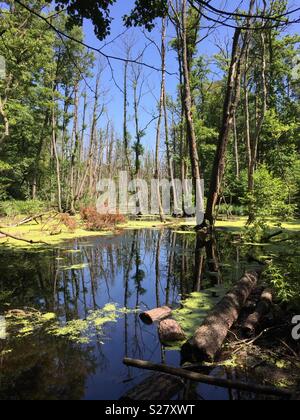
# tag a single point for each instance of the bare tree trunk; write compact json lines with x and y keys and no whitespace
{"x":3,"y":103}
{"x":236,"y":147}
{"x":176,"y":210}
{"x":5,"y":134}
{"x":75,"y":150}
{"x":83,"y":130}
{"x":57,"y":162}
{"x":93,"y":136}
{"x":125,"y":128}
{"x":190,"y":127}
{"x":158,"y":130}
{"x":230,"y":104}
{"x":136,"y":102}
{"x":182,"y":118}
{"x":38,"y":156}
{"x":247,"y":115}
{"x":259,"y":125}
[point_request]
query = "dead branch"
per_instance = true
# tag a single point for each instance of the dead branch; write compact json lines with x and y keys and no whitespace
{"x":209,"y":380}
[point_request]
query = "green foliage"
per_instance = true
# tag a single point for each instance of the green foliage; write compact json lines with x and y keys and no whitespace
{"x":15,"y":208}
{"x":40,"y":69}
{"x":143,"y":13}
{"x":5,"y":179}
{"x":284,"y":282}
{"x":233,"y":210}
{"x":257,"y":231}
{"x":270,"y":197}
{"x":97,"y":11}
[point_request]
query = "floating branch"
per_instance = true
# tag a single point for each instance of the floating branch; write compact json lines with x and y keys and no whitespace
{"x":209,"y":380}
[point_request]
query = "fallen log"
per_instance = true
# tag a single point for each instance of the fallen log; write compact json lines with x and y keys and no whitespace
{"x":28,"y":241}
{"x":210,"y":336}
{"x":157,"y":387}
{"x":155,"y":315}
{"x":262,"y":309}
{"x":32,"y":218}
{"x":170,"y":331}
{"x":208,"y":380}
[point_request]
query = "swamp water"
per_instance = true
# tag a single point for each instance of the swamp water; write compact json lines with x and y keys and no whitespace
{"x":74,"y":310}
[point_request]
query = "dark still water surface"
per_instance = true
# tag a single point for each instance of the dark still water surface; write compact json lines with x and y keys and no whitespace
{"x":138,"y":269}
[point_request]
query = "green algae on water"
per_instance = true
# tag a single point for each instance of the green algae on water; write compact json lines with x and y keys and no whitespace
{"x":81,"y":331}
{"x":194,"y":309}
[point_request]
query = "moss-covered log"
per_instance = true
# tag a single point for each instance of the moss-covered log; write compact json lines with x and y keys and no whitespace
{"x":209,"y":338}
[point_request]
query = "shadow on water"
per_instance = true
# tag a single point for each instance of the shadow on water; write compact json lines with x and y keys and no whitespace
{"x":139,"y":269}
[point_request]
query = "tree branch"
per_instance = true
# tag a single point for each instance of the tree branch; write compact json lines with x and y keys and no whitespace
{"x":98,"y":50}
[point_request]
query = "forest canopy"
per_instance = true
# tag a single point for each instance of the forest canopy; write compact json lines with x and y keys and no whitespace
{"x":239,"y":130}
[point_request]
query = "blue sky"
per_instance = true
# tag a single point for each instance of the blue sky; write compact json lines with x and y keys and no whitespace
{"x":113,"y":96}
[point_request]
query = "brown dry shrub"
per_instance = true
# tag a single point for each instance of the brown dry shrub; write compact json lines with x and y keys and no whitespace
{"x":68,"y":221}
{"x":95,"y":221}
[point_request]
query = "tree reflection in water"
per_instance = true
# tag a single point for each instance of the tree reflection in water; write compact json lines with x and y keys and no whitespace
{"x":140,"y":269}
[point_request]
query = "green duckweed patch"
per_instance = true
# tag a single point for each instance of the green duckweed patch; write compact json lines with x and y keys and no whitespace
{"x":40,"y":232}
{"x":194,"y":309}
{"x":21,"y":324}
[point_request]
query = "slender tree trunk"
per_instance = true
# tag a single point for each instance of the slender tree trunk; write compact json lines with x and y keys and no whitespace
{"x":176,"y":210}
{"x":3,"y":114}
{"x":125,"y":128}
{"x":183,"y":140}
{"x":260,"y":121}
{"x":83,"y":130}
{"x":74,"y":151}
{"x":236,"y":148}
{"x":56,"y":157}
{"x":38,"y":156}
{"x":247,"y":115}
{"x":3,"y":103}
{"x":230,"y":104}
{"x":137,"y":126}
{"x":158,"y":130}
{"x":190,"y":127}
{"x":93,"y":136}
